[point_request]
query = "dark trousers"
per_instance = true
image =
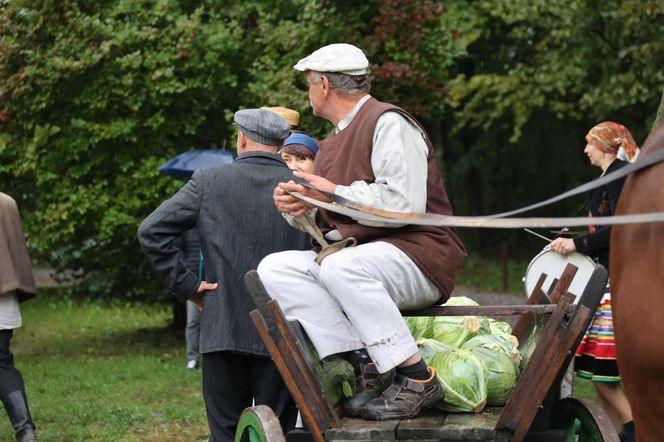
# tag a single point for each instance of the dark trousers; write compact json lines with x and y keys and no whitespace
{"x":231,"y":381}
{"x":10,"y":378}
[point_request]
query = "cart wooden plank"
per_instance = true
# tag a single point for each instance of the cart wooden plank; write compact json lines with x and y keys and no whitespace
{"x":484,"y":310}
{"x":541,"y":376}
{"x":289,"y":357}
{"x":454,"y":427}
{"x":430,"y":425}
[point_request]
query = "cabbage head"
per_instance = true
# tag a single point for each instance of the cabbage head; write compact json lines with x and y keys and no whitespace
{"x":461,"y":301}
{"x":336,"y":376}
{"x":464,"y":377}
{"x":455,"y":330}
{"x":495,"y":343}
{"x":430,"y":347}
{"x":420,"y":326}
{"x":503,"y":373}
{"x":500,"y":327}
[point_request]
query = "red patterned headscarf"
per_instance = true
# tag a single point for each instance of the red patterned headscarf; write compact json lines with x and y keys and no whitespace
{"x":615,"y":138}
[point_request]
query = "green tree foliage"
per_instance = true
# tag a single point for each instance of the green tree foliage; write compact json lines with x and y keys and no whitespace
{"x":93,"y":101}
{"x":542,"y":72}
{"x":99,"y":94}
{"x":411,"y":46}
{"x":95,"y":95}
{"x":539,"y":75}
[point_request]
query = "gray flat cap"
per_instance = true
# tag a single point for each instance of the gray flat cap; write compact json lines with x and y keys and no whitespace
{"x":262,"y":126}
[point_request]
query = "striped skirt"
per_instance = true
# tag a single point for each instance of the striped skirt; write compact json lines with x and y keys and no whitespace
{"x":595,"y":357}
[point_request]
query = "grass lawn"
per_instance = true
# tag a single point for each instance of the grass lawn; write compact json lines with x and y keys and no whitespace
{"x":106,"y":371}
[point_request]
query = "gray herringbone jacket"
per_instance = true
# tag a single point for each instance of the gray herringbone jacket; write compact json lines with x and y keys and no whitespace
{"x":232,"y":208}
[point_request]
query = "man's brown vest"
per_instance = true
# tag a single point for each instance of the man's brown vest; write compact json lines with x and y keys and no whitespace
{"x":345,"y":157}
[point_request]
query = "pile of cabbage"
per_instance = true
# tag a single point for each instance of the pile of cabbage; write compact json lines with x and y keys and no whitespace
{"x":476,"y":358}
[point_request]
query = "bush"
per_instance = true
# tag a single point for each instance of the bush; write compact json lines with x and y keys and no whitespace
{"x":95,"y":97}
{"x":97,"y":94}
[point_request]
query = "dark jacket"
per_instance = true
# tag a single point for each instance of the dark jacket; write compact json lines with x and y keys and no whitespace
{"x":190,"y":246}
{"x":232,"y":208}
{"x":602,"y":202}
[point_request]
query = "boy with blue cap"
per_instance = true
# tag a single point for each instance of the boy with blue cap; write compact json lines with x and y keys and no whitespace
{"x":299,"y":152}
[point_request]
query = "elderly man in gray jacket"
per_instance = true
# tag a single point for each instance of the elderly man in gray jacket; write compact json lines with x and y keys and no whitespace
{"x":232,"y":208}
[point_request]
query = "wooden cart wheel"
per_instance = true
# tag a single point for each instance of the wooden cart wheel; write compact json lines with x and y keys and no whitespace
{"x":584,"y":419}
{"x":259,"y":424}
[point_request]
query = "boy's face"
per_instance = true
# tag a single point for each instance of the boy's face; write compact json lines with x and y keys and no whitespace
{"x":298,"y":163}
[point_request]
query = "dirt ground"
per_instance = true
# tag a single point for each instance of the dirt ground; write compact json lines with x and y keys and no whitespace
{"x":488,"y":298}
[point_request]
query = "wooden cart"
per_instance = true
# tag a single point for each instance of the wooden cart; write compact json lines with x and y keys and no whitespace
{"x":537,"y":410}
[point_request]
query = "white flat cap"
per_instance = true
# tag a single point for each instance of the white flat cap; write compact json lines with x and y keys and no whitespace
{"x":338,"y":57}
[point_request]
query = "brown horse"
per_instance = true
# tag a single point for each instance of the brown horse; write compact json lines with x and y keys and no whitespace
{"x":637,"y":286}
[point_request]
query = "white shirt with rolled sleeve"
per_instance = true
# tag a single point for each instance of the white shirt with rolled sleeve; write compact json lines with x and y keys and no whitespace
{"x":399,"y":164}
{"x":352,"y":299}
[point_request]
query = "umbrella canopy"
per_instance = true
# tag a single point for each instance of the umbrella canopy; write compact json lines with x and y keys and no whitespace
{"x":184,"y":165}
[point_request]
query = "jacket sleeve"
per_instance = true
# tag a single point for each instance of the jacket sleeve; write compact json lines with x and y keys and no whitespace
{"x":590,"y":243}
{"x":158,"y":236}
{"x":600,"y":239}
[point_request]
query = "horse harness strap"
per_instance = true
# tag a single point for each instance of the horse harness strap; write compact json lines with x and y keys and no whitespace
{"x":360,"y":212}
{"x":640,"y":163}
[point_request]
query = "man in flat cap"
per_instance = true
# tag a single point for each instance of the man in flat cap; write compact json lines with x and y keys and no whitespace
{"x":378,"y":155}
{"x":231,"y":207}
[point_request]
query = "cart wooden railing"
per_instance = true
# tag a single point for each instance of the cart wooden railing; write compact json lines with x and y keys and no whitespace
{"x":534,"y":411}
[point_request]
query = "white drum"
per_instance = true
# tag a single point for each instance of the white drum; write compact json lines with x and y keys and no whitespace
{"x":553,"y":264}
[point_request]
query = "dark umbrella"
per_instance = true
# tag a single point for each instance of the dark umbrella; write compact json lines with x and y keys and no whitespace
{"x":184,"y":165}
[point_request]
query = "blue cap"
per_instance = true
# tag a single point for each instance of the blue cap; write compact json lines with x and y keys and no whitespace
{"x":304,"y":140}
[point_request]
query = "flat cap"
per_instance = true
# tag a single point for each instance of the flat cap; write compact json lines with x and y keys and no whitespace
{"x":262,"y":126}
{"x":338,"y":57}
{"x":290,"y":115}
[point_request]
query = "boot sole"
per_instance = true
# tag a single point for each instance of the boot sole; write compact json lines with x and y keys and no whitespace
{"x":384,"y":416}
{"x":356,"y":410}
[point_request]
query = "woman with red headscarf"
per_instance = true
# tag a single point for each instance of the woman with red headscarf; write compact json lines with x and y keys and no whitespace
{"x":609,"y":146}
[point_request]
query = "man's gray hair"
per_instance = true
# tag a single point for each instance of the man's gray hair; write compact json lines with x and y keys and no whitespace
{"x":344,"y":84}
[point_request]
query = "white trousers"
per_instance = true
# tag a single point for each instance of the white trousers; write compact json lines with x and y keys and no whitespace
{"x":352,"y":300}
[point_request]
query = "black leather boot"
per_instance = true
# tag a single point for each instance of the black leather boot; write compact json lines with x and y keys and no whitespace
{"x":369,"y":384}
{"x":16,"y":405}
